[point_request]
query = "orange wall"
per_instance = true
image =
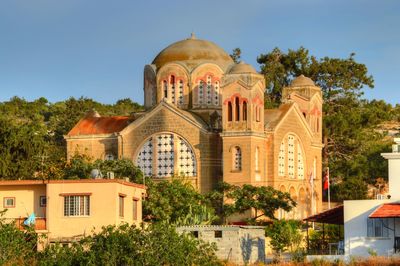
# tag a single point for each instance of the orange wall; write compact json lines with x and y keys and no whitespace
{"x":26,"y":200}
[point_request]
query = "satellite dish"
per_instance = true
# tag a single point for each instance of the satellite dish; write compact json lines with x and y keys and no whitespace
{"x":96,"y":174}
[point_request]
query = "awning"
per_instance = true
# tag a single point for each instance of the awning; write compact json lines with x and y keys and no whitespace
{"x":387,"y":210}
{"x":331,"y":216}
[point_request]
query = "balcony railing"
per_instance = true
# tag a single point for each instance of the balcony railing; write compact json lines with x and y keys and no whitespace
{"x":40,"y":223}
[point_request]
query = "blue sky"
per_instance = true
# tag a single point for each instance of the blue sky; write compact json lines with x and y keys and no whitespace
{"x":98,"y":48}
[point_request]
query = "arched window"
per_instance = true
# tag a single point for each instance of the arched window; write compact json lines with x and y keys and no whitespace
{"x":180,"y":92}
{"x":237,"y":109}
{"x":257,"y":166}
{"x":172,"y":86}
{"x":216,"y":93}
{"x":244,"y":111}
{"x":281,"y":159}
{"x":291,"y":156}
{"x":165,"y":88}
{"x":300,"y":162}
{"x":229,"y":111}
{"x":258,"y":109}
{"x":200,"y":92}
{"x":208,"y":91}
{"x":237,"y":158}
{"x":162,"y":162}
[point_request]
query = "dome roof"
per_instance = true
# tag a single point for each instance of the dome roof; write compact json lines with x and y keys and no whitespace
{"x":302,"y":81}
{"x":193,"y":52}
{"x":242,"y":68}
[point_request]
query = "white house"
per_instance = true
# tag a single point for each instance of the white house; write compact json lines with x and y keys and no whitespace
{"x":373,"y":225}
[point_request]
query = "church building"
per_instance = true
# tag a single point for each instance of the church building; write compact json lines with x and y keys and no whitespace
{"x":205,"y":120}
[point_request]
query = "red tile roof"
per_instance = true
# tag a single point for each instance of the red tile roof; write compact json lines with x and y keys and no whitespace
{"x":386,"y":210}
{"x":100,"y":125}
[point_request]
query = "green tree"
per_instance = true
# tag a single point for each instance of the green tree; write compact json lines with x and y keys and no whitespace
{"x":285,"y":235}
{"x":264,"y":201}
{"x":157,"y":244}
{"x":236,"y":54}
{"x":17,"y":247}
{"x":173,"y":201}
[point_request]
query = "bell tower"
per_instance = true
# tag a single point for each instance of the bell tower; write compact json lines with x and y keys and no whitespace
{"x":308,"y":97}
{"x":243,"y":125}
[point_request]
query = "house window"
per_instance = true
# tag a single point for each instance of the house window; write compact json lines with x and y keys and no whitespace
{"x":378,"y":227}
{"x":121,"y":205}
{"x":9,"y":202}
{"x":77,"y":205}
{"x":135,"y":209}
{"x":237,"y":159}
{"x":195,"y":234}
{"x":218,"y":234}
{"x":42,"y":201}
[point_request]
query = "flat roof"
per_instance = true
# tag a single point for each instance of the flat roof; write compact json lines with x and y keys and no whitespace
{"x":331,"y":216}
{"x":68,"y":181}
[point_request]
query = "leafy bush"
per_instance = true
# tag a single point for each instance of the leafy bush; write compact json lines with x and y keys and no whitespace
{"x":158,"y":244}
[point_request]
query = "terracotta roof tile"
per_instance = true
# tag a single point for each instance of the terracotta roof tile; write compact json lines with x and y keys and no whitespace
{"x":386,"y":210}
{"x":273,"y":116}
{"x":100,"y":125}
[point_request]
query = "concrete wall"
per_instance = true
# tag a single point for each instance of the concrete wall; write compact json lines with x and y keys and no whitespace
{"x":357,"y":242}
{"x":238,"y":244}
{"x":394,"y":173}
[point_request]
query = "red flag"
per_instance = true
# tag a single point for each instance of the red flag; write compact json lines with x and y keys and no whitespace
{"x":326,"y":180}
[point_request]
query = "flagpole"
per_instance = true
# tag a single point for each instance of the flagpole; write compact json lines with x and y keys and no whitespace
{"x":329,"y":190}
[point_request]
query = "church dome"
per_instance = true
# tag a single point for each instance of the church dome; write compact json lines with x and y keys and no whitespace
{"x":242,"y":68}
{"x":301,"y":81}
{"x":193,"y":52}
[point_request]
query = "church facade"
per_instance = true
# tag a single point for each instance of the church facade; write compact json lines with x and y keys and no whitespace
{"x":205,"y":120}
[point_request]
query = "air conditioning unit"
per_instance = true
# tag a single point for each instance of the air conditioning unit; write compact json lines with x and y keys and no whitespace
{"x":380,"y":197}
{"x":110,"y":175}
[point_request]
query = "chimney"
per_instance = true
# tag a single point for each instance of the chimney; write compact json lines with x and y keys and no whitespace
{"x":394,"y":169}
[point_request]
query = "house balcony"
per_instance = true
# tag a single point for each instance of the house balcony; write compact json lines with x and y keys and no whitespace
{"x":40,"y":223}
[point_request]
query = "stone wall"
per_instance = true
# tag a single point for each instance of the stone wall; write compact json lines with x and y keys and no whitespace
{"x":237,"y":244}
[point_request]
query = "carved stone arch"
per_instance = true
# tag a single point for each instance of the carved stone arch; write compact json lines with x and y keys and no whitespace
{"x":178,"y":90}
{"x":164,"y":154}
{"x":206,"y":85}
